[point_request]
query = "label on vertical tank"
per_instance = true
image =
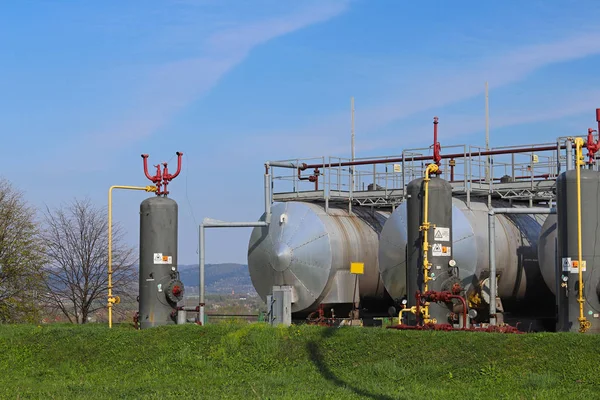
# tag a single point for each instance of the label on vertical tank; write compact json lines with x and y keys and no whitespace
{"x":437,"y":250}
{"x":441,"y":234}
{"x":160,"y":259}
{"x":574,"y":265}
{"x":566,"y":264}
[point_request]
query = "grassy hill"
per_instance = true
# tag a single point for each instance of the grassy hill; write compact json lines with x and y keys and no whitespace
{"x":261,"y":362}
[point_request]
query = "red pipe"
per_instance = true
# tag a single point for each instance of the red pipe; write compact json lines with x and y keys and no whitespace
{"x":436,"y":145}
{"x":163,"y":176}
{"x":443,"y":156}
{"x":592,"y":147}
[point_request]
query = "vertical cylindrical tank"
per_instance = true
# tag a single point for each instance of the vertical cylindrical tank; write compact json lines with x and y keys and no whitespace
{"x":568,"y":224}
{"x":159,"y":284}
{"x":519,"y":285}
{"x":439,"y":238}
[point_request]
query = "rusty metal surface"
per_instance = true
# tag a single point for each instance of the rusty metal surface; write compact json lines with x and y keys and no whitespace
{"x":305,"y":247}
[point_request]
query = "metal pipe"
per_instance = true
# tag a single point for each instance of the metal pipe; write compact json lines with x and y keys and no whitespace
{"x":115,"y":299}
{"x":492,"y":246}
{"x":427,"y":158}
{"x":285,"y":164}
{"x":201,"y":278}
{"x":267,"y":198}
{"x":569,"y":152}
{"x":431,"y":169}
{"x":213,"y":223}
{"x":492,"y":257}
{"x":584,"y":324}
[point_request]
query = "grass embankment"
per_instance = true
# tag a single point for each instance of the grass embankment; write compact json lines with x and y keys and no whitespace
{"x":260,"y":362}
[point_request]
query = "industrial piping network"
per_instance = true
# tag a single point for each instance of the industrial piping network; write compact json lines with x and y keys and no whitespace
{"x":213,"y":223}
{"x":431,"y":169}
{"x":115,"y":299}
{"x":492,"y":246}
{"x":584,"y":324}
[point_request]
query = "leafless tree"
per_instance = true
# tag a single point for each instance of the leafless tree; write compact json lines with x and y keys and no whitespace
{"x":75,"y":238}
{"x":20,"y":256}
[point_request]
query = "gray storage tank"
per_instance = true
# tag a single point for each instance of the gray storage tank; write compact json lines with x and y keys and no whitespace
{"x":311,"y":250}
{"x":159,"y":284}
{"x":439,"y":237}
{"x":516,"y":235}
{"x":559,"y":243}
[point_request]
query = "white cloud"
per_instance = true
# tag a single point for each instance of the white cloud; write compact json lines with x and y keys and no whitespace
{"x":432,"y":90}
{"x":166,"y":89}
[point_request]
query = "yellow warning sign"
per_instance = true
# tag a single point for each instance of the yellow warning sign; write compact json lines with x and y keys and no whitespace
{"x":357,"y":268}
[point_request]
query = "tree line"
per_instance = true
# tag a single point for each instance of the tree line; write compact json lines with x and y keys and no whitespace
{"x":54,"y":262}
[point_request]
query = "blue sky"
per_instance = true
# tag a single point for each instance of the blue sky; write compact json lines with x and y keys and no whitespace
{"x":86,"y":87}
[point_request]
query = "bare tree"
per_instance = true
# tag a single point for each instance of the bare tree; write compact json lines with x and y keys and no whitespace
{"x":20,"y":256}
{"x":75,"y":239}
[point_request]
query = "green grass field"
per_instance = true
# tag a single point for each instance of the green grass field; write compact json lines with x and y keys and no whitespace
{"x":260,"y":362}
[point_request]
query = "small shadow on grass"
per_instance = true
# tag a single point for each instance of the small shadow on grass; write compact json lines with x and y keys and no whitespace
{"x":317,"y":359}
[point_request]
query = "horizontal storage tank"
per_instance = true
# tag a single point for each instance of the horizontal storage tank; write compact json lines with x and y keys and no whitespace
{"x":516,"y":250}
{"x":311,"y":250}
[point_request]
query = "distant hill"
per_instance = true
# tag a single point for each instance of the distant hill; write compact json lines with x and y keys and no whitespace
{"x":220,"y":278}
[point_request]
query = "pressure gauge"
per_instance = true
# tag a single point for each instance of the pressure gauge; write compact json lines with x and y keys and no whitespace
{"x":452,"y":263}
{"x":565,"y":278}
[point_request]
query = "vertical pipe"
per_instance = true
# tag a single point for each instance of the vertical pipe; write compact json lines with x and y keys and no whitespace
{"x":512,"y":165}
{"x":557,"y":158}
{"x":569,"y":154}
{"x":584,"y":324}
{"x":492,"y":258}
{"x":352,"y":134}
{"x":403,"y":173}
{"x":487,"y":133}
{"x":110,"y":298}
{"x":267,"y":197}
{"x":374,"y":177}
{"x":201,"y":256}
{"x":470,"y":180}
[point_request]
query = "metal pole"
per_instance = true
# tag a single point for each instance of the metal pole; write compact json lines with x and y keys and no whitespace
{"x":213,"y":223}
{"x":492,"y":279}
{"x":569,"y":153}
{"x":267,"y":198}
{"x":352,"y":156}
{"x":115,"y":299}
{"x":201,"y":280}
{"x":352,"y":132}
{"x":492,"y":247}
{"x":487,"y":133}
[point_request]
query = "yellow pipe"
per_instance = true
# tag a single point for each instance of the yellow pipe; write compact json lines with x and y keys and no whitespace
{"x":115,"y":299}
{"x":431,"y":168}
{"x":584,"y":324}
{"x":413,"y":310}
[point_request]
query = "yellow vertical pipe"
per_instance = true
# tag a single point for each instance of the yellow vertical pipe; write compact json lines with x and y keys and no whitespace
{"x":431,"y":168}
{"x":115,"y":299}
{"x":584,"y":324}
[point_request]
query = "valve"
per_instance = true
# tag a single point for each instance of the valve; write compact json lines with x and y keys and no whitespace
{"x":174,"y":291}
{"x":162,"y":178}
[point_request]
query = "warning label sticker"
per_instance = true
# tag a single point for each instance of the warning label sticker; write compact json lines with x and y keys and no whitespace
{"x":575,"y":265}
{"x":440,"y":251}
{"x":160,"y":259}
{"x":566,"y":264}
{"x":441,"y":234}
